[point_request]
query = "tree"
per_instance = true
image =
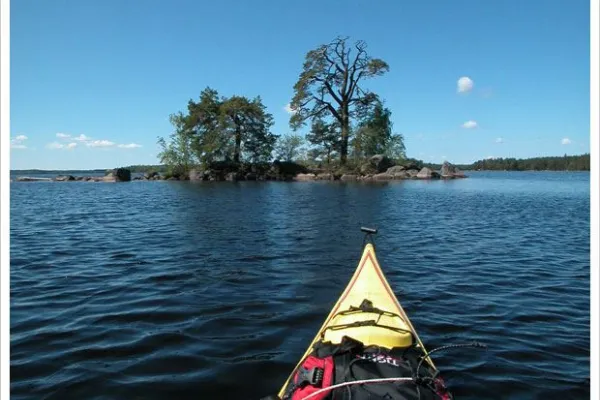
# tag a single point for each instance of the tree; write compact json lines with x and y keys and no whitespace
{"x":229,"y":128}
{"x":374,"y":135}
{"x":177,"y":153}
{"x":288,"y":147}
{"x":330,"y":86}
{"x":246,"y":122}
{"x":325,"y":136}
{"x":203,"y":121}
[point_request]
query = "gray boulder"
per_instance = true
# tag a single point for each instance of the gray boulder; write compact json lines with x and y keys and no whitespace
{"x":395,"y":169}
{"x":381,"y":163}
{"x":196,"y":175}
{"x":427,"y":173}
{"x":349,"y":177}
{"x":64,"y":178}
{"x":412,"y":173}
{"x":326,"y":176}
{"x":306,"y":177}
{"x":384,"y":176}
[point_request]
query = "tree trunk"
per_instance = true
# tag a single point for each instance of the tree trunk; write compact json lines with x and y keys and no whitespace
{"x":238,"y":145}
{"x":344,"y":142}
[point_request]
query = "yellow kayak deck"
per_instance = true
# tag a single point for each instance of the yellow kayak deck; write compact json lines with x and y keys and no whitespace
{"x":384,"y":323}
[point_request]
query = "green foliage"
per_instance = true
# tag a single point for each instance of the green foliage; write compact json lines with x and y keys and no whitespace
{"x":177,"y":153}
{"x":218,"y":129}
{"x":565,"y":163}
{"x":374,"y":135}
{"x":329,"y":87}
{"x":289,"y":147}
{"x":326,"y":138}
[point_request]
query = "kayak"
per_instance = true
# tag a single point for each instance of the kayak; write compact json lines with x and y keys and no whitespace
{"x":366,"y":348}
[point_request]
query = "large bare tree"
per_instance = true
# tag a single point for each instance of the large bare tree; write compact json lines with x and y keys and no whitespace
{"x":330,"y":86}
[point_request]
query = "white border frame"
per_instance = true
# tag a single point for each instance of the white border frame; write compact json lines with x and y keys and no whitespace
{"x":5,"y":197}
{"x":4,"y":200}
{"x":594,"y":183}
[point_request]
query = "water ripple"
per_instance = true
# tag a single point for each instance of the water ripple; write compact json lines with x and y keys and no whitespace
{"x":171,"y":290}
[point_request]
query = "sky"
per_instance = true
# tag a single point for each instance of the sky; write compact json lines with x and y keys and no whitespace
{"x":92,"y":83}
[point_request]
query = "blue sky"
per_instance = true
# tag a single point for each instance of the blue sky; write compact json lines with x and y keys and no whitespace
{"x":114,"y":70}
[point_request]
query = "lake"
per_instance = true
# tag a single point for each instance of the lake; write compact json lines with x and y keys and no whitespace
{"x":150,"y":290}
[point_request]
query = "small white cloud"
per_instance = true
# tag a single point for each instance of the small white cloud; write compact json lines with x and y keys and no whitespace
{"x":499,"y":140}
{"x":566,"y":141}
{"x":55,"y":145}
{"x":469,"y":125}
{"x":71,"y":146}
{"x":129,"y":146}
{"x":464,"y":85}
{"x":288,"y":108}
{"x":82,"y":138}
{"x":17,"y":142}
{"x":62,"y":135}
{"x":100,"y":143}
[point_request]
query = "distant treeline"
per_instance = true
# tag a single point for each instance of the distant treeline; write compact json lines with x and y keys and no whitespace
{"x":564,"y":163}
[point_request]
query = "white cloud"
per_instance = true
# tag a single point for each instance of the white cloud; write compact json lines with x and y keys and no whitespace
{"x":469,"y":125}
{"x":129,"y":146}
{"x":565,"y":141}
{"x":82,"y":138}
{"x":464,"y":85}
{"x":499,"y":140}
{"x":17,"y":142}
{"x":100,"y":143}
{"x":70,"y":142}
{"x":288,"y":108}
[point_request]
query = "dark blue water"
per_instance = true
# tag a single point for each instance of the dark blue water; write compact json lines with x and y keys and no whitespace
{"x":148,"y":290}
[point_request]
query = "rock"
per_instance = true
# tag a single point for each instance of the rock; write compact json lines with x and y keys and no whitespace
{"x":381,"y":162}
{"x":172,"y":179}
{"x":306,"y":177}
{"x":137,"y":178}
{"x":384,"y":176}
{"x":326,"y":176}
{"x":368,"y":169}
{"x":449,"y":171}
{"x":196,"y":175}
{"x":32,"y":179}
{"x":80,"y":178}
{"x":232,"y":176}
{"x":108,"y":178}
{"x":150,"y":175}
{"x":122,"y":175}
{"x":250,"y":176}
{"x":395,"y":169}
{"x":368,"y":177}
{"x":401,"y":175}
{"x":64,"y":178}
{"x":427,"y":173}
{"x":412,"y":173}
{"x":349,"y":177}
{"x":411,"y":166}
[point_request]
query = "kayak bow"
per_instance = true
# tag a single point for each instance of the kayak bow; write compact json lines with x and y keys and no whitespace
{"x":367,"y":311}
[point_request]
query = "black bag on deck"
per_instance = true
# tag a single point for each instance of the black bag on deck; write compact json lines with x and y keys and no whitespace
{"x":352,"y":361}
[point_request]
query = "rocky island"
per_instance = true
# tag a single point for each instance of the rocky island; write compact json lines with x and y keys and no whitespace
{"x":378,"y":168}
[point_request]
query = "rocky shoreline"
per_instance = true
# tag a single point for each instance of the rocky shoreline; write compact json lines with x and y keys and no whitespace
{"x":378,"y":168}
